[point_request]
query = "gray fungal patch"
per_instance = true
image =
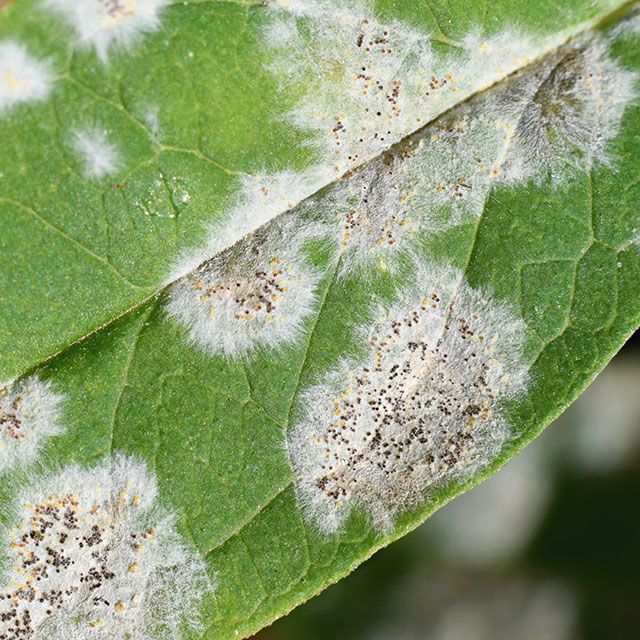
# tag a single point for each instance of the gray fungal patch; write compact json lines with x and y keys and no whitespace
{"x":256,"y":294}
{"x":29,"y":416}
{"x":367,"y":84}
{"x":552,"y":120}
{"x":90,"y":554}
{"x":565,"y":111}
{"x":422,"y":407}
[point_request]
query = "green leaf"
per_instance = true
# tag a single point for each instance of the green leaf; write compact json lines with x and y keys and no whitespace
{"x":348,"y":262}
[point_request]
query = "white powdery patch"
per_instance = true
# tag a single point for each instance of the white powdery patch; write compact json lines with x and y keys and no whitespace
{"x":91,"y":555}
{"x":554,"y":118}
{"x":151,"y":118}
{"x":29,"y":415}
{"x":565,"y":111}
{"x":629,"y":25}
{"x":373,"y":83}
{"x":107,"y":24}
{"x":23,"y":78}
{"x":433,"y":182}
{"x":423,"y":407}
{"x":255,"y":294}
{"x":99,"y":157}
{"x":261,"y":198}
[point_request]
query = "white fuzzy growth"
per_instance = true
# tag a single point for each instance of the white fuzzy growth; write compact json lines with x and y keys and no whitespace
{"x":99,"y":157}
{"x":421,"y":408}
{"x":29,"y":416}
{"x":629,"y":25}
{"x":151,"y":117}
{"x":255,"y":294}
{"x":552,"y":119}
{"x":91,"y":555}
{"x":23,"y":78}
{"x":261,"y":198}
{"x":564,"y":111}
{"x":368,"y":84}
{"x":109,"y":24}
{"x":430,"y":184}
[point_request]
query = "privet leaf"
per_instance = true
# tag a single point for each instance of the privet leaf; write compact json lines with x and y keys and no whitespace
{"x":349,"y":260}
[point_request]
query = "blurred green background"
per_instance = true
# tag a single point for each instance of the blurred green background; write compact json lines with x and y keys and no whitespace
{"x":547,"y":549}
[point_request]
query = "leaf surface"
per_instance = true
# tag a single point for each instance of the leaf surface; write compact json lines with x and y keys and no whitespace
{"x":355,"y":350}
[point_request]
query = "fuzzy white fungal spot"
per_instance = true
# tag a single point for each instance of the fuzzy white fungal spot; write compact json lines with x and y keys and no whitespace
{"x":255,"y":294}
{"x":23,"y":78}
{"x":91,"y":554}
{"x":261,"y":198}
{"x":365,"y":85}
{"x":99,"y":157}
{"x":151,"y":118}
{"x":373,"y":83}
{"x":29,"y":415}
{"x":555,"y":118}
{"x":107,"y":24}
{"x":564,"y":112}
{"x":421,"y":408}
{"x":629,"y":25}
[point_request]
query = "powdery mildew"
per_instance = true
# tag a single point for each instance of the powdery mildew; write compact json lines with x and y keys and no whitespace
{"x":421,"y":407}
{"x":23,"y":78}
{"x":373,"y":83}
{"x":29,"y":415}
{"x":564,"y":111}
{"x":109,"y":24}
{"x":261,"y":198}
{"x":91,"y":555}
{"x":553,"y":119}
{"x":99,"y":156}
{"x":255,"y":294}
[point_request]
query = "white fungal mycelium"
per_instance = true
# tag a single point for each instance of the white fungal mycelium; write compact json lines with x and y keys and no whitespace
{"x":552,"y":119}
{"x":99,"y":156}
{"x":421,"y":407}
{"x":260,"y":198}
{"x":366,"y":83}
{"x":255,"y":294}
{"x":107,"y":24}
{"x":23,"y":78}
{"x":29,"y":415}
{"x":90,"y":554}
{"x":564,"y":112}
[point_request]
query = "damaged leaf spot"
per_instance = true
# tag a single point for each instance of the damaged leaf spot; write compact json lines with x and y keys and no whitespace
{"x":564,"y":111}
{"x":422,"y":407}
{"x":549,"y":121}
{"x":91,"y":554}
{"x":29,"y":415}
{"x":373,"y":83}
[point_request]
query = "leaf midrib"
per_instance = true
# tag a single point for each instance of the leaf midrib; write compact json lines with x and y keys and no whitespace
{"x":590,"y":25}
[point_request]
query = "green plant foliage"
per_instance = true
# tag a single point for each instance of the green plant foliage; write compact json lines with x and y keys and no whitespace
{"x":280,"y":279}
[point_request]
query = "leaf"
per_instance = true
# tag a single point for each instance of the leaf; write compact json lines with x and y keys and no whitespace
{"x":201,"y":133}
{"x":339,"y":351}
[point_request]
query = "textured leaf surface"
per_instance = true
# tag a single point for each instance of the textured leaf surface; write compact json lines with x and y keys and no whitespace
{"x":318,"y":388}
